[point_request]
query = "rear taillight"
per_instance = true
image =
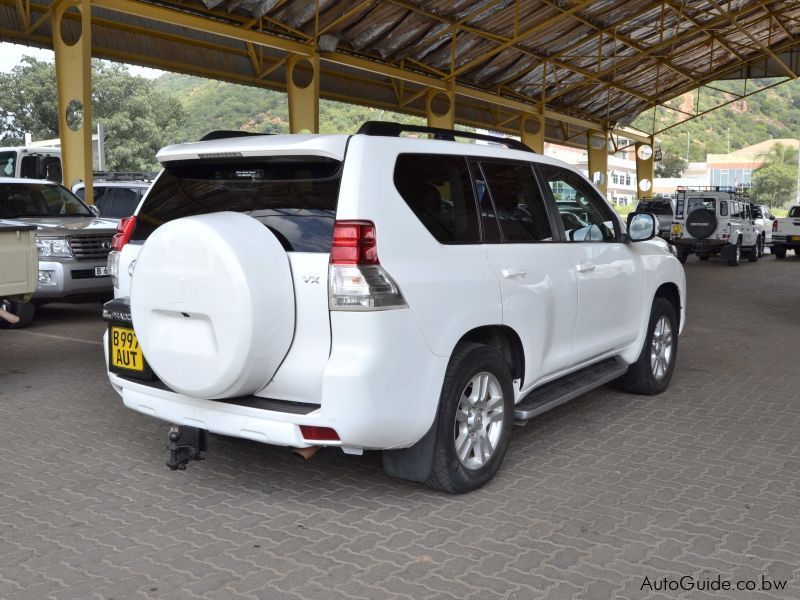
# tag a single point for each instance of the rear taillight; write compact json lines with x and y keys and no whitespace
{"x":124,"y":232}
{"x":775,"y":225}
{"x":357,"y":281}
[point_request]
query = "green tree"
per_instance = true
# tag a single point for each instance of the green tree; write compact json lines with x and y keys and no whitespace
{"x":671,"y":165}
{"x":774,"y":182}
{"x":138,"y":120}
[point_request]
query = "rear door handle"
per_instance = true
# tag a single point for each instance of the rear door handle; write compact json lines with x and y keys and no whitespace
{"x":585,"y":267}
{"x":514,"y":272}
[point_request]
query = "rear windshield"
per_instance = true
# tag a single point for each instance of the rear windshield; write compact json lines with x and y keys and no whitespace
{"x":8,"y":164}
{"x":794,"y":211}
{"x":295,"y":197}
{"x":696,"y":203}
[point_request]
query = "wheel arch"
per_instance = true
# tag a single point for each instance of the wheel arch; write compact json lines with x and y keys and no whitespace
{"x":670,"y":292}
{"x":503,"y":339}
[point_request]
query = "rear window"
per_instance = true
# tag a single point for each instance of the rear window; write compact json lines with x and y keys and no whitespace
{"x":697,"y":203}
{"x":295,"y":197}
{"x":657,"y":207}
{"x":794,"y":211}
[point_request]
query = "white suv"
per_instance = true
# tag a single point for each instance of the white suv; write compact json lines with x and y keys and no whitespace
{"x":374,"y":291}
{"x":716,"y":220}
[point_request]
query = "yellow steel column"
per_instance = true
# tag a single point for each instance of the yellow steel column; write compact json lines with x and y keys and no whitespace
{"x":73,"y":48}
{"x":597,"y":149}
{"x":302,"y":84}
{"x":644,"y":170}
{"x":441,"y":108}
{"x":531,"y":131}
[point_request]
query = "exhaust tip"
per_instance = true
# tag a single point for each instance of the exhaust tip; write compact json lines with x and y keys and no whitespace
{"x":305,"y":453}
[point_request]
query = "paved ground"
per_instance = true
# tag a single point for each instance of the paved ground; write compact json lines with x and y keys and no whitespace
{"x":702,"y":481}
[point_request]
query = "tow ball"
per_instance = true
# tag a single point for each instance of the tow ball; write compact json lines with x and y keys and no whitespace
{"x":185,"y":444}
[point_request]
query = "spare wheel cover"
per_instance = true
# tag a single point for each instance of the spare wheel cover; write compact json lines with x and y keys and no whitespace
{"x":212,"y":302}
{"x":701,"y":223}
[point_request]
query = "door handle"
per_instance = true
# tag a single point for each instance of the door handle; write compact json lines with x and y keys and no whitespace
{"x":514,"y":272}
{"x":585,"y":267}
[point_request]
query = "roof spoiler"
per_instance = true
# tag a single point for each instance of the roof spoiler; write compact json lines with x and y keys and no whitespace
{"x":221,"y":134}
{"x":392,"y":129}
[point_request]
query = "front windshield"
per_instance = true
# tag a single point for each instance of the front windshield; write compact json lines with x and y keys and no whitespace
{"x":8,"y":163}
{"x":39,"y":200}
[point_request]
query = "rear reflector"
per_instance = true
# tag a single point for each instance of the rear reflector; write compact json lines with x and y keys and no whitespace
{"x":124,"y":232}
{"x":775,"y":225}
{"x":312,"y":433}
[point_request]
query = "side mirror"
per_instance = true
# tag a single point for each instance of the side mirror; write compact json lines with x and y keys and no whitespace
{"x":94,"y":209}
{"x":642,"y":227}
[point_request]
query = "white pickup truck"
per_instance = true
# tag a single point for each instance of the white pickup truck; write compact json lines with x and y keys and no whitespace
{"x":18,"y":267}
{"x":786,"y":233}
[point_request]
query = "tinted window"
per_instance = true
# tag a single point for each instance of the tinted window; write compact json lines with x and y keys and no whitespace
{"x":585,"y":215}
{"x":294,"y":196}
{"x":116,"y":202}
{"x":39,"y":200}
{"x":723,"y":208}
{"x":439,"y":191}
{"x":794,"y":211}
{"x":517,"y":202}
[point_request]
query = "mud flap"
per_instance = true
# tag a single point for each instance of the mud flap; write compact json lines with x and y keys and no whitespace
{"x":728,"y":252}
{"x":413,"y":463}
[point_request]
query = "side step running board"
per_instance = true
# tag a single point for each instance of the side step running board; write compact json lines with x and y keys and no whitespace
{"x":566,"y":388}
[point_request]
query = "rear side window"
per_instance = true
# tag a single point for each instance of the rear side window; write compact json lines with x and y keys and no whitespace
{"x":723,"y":208}
{"x":439,"y":191}
{"x":295,"y":197}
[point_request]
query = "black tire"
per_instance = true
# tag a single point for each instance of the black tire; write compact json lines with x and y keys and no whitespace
{"x":24,"y":310}
{"x":703,"y":256}
{"x":752,"y":255}
{"x":779,"y":251}
{"x":640,"y":378}
{"x":760,"y":245}
{"x":448,"y":473}
{"x":737,"y":255}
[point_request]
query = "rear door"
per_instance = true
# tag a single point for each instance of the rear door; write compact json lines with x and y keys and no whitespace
{"x":295,"y":197}
{"x":609,"y":275}
{"x":537,"y":282}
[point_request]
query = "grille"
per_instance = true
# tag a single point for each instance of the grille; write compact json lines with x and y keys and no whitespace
{"x":90,"y":247}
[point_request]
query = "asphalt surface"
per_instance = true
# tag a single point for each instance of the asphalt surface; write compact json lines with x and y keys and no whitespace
{"x":604,"y":497}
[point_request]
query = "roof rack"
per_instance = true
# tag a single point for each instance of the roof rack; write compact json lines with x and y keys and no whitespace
{"x":742,"y":191}
{"x":123,"y":175}
{"x":392,"y":129}
{"x":221,"y":134}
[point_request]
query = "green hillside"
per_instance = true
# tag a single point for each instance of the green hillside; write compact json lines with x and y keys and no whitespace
{"x":210,"y":105}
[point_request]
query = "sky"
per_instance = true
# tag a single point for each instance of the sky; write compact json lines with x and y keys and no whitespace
{"x":11,"y":54}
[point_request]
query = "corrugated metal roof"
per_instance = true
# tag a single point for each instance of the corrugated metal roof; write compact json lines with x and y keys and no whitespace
{"x":603,"y":61}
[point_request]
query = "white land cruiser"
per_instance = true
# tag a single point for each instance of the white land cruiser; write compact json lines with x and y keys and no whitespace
{"x":786,"y":233}
{"x":374,"y":291}
{"x":715,"y":220}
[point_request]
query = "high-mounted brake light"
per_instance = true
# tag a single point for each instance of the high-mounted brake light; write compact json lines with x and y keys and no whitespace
{"x":124,"y":232}
{"x":354,"y":243}
{"x":356,"y":280}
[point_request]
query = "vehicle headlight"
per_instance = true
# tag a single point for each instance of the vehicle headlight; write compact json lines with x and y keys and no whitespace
{"x":55,"y":247}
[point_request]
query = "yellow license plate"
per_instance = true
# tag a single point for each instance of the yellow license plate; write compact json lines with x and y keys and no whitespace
{"x":676,"y":228}
{"x":796,"y":238}
{"x":125,"y":350}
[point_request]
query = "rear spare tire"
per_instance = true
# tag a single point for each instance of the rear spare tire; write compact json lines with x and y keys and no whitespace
{"x":212,"y":302}
{"x":701,"y":223}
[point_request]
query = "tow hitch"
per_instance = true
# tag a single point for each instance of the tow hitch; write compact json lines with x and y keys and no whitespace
{"x":185,"y":444}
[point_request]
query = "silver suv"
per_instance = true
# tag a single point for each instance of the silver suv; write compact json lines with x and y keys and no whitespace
{"x":71,"y":240}
{"x":715,"y":220}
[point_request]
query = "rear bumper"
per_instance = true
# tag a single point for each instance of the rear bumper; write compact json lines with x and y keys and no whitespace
{"x":380,"y":390}
{"x":785,"y":240}
{"x":694,"y":245}
{"x":71,"y":278}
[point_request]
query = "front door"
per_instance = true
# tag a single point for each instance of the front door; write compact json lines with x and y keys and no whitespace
{"x":609,"y":274}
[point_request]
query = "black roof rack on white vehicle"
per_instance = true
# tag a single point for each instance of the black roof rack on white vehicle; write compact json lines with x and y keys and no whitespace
{"x":391,"y":129}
